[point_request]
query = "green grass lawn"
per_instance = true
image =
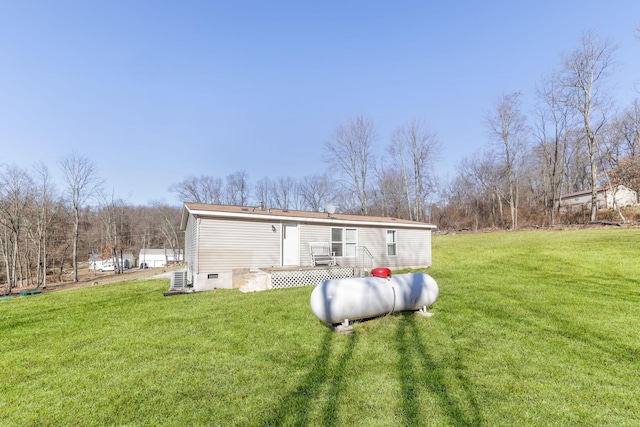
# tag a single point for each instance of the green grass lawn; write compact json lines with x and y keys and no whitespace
{"x":531,"y":328}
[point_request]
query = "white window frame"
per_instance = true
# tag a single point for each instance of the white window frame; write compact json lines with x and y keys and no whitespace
{"x":348,"y":249}
{"x":393,"y":243}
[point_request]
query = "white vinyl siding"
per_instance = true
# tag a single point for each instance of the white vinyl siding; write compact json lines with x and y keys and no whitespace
{"x":413,"y":247}
{"x":191,"y":245}
{"x":311,"y":233}
{"x":227,"y":244}
{"x":213,"y":245}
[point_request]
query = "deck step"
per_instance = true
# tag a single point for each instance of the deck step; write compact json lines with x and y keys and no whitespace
{"x":256,"y":281}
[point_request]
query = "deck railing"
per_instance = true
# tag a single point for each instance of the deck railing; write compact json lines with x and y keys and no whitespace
{"x":365,"y":261}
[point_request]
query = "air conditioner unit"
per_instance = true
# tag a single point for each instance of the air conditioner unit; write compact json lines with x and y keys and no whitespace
{"x":178,"y":280}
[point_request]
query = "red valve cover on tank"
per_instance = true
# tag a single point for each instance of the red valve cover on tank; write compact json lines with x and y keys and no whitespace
{"x":381,"y":272}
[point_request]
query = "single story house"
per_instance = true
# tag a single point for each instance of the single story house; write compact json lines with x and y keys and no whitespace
{"x":574,"y":202}
{"x":223,"y":243}
{"x":160,"y":257}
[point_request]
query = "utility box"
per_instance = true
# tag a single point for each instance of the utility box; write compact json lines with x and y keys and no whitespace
{"x":178,"y":280}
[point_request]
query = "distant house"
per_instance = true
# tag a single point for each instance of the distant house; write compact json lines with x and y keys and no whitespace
{"x":99,"y":263}
{"x":574,"y":202}
{"x":222,"y":243}
{"x":159,"y":257}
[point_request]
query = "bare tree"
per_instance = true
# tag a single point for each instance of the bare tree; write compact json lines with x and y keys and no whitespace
{"x":389,"y":194}
{"x":82,"y":183}
{"x":479,"y":179}
{"x":167,"y":222}
{"x":43,"y":200}
{"x":263,"y":192}
{"x":317,"y":191}
{"x":283,"y":191}
{"x":627,"y":135}
{"x":16,"y":192}
{"x":349,"y":152}
{"x":237,"y":189}
{"x":202,"y":189}
{"x":415,"y":148}
{"x":552,"y":131}
{"x":507,"y":128}
{"x":398,"y":151}
{"x":628,"y":128}
{"x":585,"y":72}
{"x":576,"y":164}
{"x":112,"y":216}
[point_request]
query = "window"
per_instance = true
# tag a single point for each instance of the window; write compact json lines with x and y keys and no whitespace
{"x":392,"y":246}
{"x":344,"y":241}
{"x":336,"y":241}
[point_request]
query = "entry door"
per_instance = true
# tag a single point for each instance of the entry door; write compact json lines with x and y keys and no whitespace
{"x":290,"y":244}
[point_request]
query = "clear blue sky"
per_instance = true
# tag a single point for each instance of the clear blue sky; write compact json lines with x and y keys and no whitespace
{"x":155,"y":91}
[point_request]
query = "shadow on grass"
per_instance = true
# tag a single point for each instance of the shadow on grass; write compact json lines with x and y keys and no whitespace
{"x":419,"y":372}
{"x":580,"y":332}
{"x":529,"y":314}
{"x":295,"y":407}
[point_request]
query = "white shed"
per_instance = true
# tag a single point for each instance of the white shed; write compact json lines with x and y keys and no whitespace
{"x":159,"y":257}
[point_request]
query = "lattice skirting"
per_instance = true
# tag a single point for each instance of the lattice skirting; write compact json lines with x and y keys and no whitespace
{"x":292,"y":279}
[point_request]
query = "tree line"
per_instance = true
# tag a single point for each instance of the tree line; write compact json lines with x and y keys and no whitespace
{"x":577,"y":140}
{"x":46,"y":231}
{"x":356,"y":181}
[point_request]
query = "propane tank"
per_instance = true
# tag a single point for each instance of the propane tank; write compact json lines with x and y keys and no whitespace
{"x":341,"y":300}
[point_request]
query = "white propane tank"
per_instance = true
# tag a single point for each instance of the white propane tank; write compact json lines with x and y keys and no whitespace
{"x":339,"y":300}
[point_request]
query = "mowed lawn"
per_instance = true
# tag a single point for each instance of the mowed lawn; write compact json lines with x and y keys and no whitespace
{"x":531,"y":328}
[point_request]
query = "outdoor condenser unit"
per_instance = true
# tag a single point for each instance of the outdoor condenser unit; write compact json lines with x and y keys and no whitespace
{"x":178,"y":279}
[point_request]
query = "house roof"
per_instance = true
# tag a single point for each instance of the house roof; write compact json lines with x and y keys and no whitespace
{"x":243,"y":212}
{"x":163,"y":252}
{"x":585,"y":192}
{"x":98,"y":257}
{"x":577,"y":193}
